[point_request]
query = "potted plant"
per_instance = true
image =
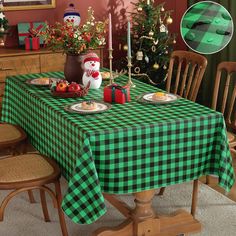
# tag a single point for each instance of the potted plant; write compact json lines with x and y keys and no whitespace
{"x":74,"y":41}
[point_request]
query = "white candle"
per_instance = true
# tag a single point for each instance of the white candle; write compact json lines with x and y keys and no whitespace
{"x":110,"y":32}
{"x":129,"y":40}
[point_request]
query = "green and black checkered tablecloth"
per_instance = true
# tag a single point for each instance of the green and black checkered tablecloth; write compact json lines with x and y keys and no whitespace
{"x":130,"y":148}
{"x":207,"y":27}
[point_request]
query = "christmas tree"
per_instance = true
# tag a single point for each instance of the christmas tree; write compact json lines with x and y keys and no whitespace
{"x":3,"y":25}
{"x":151,"y":41}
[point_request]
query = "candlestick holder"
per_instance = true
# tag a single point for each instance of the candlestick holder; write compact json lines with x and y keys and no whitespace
{"x":129,"y":65}
{"x":111,"y":73}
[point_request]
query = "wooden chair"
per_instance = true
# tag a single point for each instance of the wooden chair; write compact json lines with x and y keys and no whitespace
{"x":225,"y":102}
{"x":14,"y":138}
{"x":190,"y":70}
{"x":31,"y":171}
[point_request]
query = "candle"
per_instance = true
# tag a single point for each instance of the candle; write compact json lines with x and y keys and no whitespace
{"x":129,"y":41}
{"x":110,"y":32}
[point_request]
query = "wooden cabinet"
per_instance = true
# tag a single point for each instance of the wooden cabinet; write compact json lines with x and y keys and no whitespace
{"x":52,"y":62}
{"x":19,"y":62}
{"x":18,"y":65}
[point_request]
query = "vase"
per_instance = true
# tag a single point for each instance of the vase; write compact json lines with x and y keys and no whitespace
{"x":73,"y":70}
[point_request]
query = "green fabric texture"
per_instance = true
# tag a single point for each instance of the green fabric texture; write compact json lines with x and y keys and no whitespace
{"x":204,"y":27}
{"x":130,"y":148}
{"x":227,"y":54}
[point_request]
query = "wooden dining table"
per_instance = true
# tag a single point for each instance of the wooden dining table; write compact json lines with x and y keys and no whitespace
{"x":132,"y":148}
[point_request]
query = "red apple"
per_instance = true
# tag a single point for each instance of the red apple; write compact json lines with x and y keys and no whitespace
{"x":74,"y":87}
{"x":62,"y":86}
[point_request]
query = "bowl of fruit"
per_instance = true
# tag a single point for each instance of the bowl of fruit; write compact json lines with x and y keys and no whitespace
{"x":63,"y":88}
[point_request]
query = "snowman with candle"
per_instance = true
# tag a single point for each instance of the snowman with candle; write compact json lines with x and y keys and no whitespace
{"x":91,"y":66}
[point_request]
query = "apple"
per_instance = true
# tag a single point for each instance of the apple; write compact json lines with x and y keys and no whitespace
{"x":62,"y":86}
{"x":74,"y":87}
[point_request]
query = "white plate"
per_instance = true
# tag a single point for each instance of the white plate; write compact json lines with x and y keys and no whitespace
{"x":77,"y":107}
{"x":44,"y":81}
{"x":166,"y":99}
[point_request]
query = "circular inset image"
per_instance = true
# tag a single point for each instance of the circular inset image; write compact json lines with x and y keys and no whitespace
{"x":207,"y":27}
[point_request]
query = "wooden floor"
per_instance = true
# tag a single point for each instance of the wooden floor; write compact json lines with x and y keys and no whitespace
{"x":213,"y":181}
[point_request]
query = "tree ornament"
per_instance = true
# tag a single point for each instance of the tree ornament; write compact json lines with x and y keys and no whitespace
{"x":162,"y":28}
{"x":169,"y":20}
{"x":156,"y":66}
{"x":146,"y":59}
{"x":139,"y":55}
{"x":125,"y":47}
{"x":160,"y":21}
{"x":154,"y":48}
{"x":164,"y":67}
{"x":2,"y":16}
{"x":151,"y":33}
{"x":155,"y":42}
{"x":140,"y":9}
{"x":166,"y":52}
{"x":162,"y":9}
{"x":174,"y":41}
{"x":137,"y":70}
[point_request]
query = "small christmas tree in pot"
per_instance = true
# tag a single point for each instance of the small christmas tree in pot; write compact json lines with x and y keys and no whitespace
{"x":3,"y":26}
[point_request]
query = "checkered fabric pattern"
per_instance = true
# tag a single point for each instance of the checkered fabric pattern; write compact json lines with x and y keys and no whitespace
{"x":130,"y":148}
{"x":204,"y":37}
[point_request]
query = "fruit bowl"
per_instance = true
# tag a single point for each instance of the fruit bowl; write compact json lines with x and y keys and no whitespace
{"x":66,"y":94}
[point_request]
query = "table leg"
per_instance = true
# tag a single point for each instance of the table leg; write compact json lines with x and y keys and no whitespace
{"x":142,"y":220}
{"x":194,"y":197}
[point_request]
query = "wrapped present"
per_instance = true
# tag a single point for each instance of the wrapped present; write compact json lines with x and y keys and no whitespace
{"x":26,"y":29}
{"x":116,"y":93}
{"x":32,"y":43}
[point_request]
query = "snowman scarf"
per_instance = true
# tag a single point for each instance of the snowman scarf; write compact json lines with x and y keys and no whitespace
{"x":93,"y":73}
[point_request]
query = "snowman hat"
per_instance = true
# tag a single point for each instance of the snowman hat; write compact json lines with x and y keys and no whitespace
{"x":71,"y":11}
{"x":91,"y":57}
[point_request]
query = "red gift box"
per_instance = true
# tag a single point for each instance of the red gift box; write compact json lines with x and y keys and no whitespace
{"x":25,"y":28}
{"x":32,"y":43}
{"x":116,"y":93}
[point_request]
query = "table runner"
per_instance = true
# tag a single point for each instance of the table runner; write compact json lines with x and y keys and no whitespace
{"x":130,"y":148}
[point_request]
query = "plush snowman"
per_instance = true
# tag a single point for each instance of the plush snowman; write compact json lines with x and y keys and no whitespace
{"x":91,"y":66}
{"x":71,"y":14}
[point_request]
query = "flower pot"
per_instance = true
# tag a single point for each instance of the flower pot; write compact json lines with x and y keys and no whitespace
{"x":73,"y":70}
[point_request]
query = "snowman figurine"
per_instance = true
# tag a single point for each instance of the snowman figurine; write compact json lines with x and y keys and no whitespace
{"x":72,"y":15}
{"x":91,"y":66}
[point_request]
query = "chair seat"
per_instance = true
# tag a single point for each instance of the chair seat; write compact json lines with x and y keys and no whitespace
{"x":9,"y":133}
{"x":231,"y":137}
{"x":24,"y":167}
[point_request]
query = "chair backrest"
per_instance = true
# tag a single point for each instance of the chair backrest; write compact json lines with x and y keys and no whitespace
{"x":225,"y":100}
{"x":190,"y":70}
